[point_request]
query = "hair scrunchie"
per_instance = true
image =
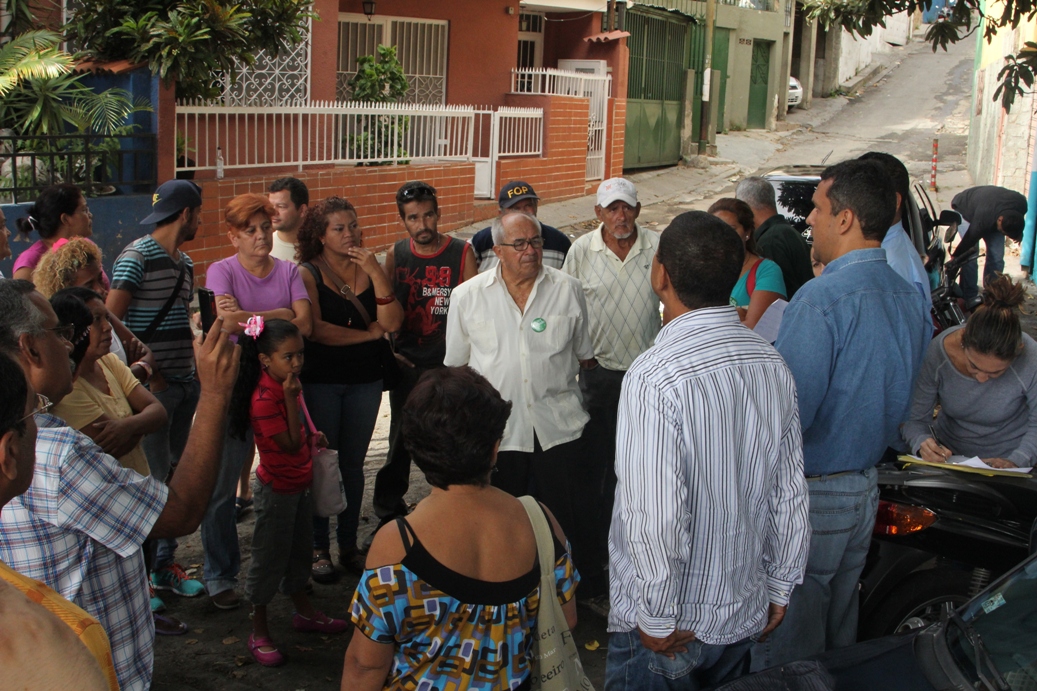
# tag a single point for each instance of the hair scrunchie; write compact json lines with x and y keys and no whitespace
{"x":254,"y":326}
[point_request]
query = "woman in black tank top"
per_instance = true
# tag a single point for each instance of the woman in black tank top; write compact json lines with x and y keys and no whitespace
{"x":353,"y":308}
{"x":459,"y":578}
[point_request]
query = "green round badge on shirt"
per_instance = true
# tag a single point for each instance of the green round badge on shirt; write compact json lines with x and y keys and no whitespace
{"x":538,"y":325}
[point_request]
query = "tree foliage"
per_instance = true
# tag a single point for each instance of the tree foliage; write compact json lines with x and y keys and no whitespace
{"x":41,"y":95}
{"x":862,"y":16}
{"x":189,"y":42}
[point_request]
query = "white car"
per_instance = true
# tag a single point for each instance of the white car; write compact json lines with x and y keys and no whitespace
{"x":795,"y":93}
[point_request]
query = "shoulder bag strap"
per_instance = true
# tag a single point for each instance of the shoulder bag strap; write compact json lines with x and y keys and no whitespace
{"x":347,"y":292}
{"x":153,"y":326}
{"x":545,"y":544}
{"x":310,"y":427}
{"x":750,"y":281}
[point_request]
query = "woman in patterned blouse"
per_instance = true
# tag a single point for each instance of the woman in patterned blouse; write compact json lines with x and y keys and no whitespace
{"x":451,"y":593}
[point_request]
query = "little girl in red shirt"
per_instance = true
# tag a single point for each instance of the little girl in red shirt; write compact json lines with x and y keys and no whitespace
{"x":267,"y":397}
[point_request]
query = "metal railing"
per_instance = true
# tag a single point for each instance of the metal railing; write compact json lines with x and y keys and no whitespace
{"x":597,"y":88}
{"x":506,"y":132}
{"x":327,"y":132}
{"x":97,"y":165}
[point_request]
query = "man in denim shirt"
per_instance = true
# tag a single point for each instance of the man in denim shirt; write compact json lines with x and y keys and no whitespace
{"x":854,"y":339}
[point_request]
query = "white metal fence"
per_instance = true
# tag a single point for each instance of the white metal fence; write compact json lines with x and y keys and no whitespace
{"x":596,"y":88}
{"x":506,"y":132}
{"x":323,"y":133}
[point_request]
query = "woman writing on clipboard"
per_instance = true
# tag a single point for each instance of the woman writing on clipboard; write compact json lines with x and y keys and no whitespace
{"x":983,"y":375}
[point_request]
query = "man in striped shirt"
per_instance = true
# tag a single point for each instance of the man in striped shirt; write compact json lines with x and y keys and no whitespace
{"x":152,"y":282}
{"x":710,"y":527}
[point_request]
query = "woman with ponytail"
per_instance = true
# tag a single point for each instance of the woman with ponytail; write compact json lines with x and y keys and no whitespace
{"x":983,"y":375}
{"x":267,"y":398}
{"x":59,"y":212}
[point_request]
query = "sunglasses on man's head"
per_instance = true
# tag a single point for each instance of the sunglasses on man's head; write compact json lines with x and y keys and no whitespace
{"x":412,"y":193}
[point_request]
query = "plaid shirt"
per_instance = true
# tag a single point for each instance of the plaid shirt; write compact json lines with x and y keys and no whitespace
{"x":79,"y":529}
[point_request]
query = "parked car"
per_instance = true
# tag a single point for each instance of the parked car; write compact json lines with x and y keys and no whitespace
{"x":795,"y":93}
{"x":989,"y":643}
{"x":794,"y":187}
{"x":940,"y":537}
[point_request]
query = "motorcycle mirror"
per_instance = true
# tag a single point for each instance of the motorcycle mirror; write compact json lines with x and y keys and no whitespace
{"x":949,"y":217}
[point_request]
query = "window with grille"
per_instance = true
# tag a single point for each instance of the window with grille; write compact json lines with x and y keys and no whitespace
{"x":421,"y":47}
{"x":530,"y":40}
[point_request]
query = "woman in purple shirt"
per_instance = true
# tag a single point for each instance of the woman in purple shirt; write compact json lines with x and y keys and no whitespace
{"x":247,"y":283}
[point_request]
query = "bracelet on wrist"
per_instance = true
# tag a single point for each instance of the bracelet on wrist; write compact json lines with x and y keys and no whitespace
{"x":387,"y":300}
{"x":147,"y":370}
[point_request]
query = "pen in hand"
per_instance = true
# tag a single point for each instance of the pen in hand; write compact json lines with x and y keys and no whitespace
{"x":941,"y":446}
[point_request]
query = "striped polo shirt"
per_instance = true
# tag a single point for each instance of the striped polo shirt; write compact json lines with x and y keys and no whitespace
{"x":147,"y":272}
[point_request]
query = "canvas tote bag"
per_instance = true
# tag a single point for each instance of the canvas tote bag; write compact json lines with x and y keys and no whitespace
{"x":556,"y":662}
{"x":329,"y":494}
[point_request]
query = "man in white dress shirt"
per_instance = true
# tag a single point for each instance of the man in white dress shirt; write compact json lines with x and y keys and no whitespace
{"x":523,"y":326}
{"x":710,"y":528}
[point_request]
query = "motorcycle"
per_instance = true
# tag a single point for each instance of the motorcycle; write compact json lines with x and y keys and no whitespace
{"x":948,"y":303}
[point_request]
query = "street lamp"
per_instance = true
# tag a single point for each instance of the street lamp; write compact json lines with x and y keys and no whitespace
{"x":368,"y":9}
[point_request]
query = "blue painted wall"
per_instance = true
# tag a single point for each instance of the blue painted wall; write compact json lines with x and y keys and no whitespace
{"x":116,"y":224}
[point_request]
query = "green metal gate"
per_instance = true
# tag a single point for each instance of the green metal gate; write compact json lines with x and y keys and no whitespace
{"x":721,"y":44}
{"x":659,"y":43}
{"x":759,"y":76}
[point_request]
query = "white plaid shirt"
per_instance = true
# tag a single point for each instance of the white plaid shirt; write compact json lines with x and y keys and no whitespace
{"x":79,"y":529}
{"x":622,"y":309}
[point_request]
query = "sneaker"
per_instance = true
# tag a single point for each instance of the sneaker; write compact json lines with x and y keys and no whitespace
{"x":156,"y":602}
{"x":226,"y":599}
{"x":321,"y":623}
{"x":174,"y":578}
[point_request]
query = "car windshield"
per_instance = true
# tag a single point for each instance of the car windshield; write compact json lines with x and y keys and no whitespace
{"x":794,"y":200}
{"x":1004,"y":620}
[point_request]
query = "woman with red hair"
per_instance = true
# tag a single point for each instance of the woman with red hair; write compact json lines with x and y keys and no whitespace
{"x":250,"y":282}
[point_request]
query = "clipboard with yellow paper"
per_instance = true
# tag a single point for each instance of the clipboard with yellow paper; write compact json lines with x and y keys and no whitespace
{"x":968,"y":465}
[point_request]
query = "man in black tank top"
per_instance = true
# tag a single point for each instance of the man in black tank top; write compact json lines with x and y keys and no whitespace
{"x":424,"y":267}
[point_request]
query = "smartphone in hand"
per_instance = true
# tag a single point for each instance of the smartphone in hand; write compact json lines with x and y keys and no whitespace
{"x":207,"y":308}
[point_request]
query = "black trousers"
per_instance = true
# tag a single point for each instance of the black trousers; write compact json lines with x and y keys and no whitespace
{"x":595,"y":474}
{"x":393,"y":479}
{"x":548,"y":476}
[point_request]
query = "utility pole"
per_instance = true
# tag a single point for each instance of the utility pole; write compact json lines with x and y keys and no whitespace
{"x":707,"y":72}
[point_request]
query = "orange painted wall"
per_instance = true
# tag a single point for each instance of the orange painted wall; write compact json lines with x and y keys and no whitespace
{"x":324,"y":50}
{"x":371,"y":189}
{"x":482,"y":43}
{"x":563,"y":40}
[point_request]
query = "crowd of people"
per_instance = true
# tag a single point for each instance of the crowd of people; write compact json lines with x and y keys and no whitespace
{"x":713,"y":491}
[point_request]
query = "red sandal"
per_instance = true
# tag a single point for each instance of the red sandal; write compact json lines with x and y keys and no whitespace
{"x":273,"y":658}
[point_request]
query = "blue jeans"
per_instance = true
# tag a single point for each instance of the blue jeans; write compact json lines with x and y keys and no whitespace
{"x":968,"y":279}
{"x":632,"y":667}
{"x":346,"y":414}
{"x":164,"y":446}
{"x":822,"y":612}
{"x":219,"y":525}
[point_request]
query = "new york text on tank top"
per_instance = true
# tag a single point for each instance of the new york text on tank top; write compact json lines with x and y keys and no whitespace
{"x":423,"y":285}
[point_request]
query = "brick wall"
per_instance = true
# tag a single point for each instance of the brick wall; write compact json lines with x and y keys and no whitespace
{"x":560,"y":173}
{"x":371,"y":189}
{"x":617,"y":137}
